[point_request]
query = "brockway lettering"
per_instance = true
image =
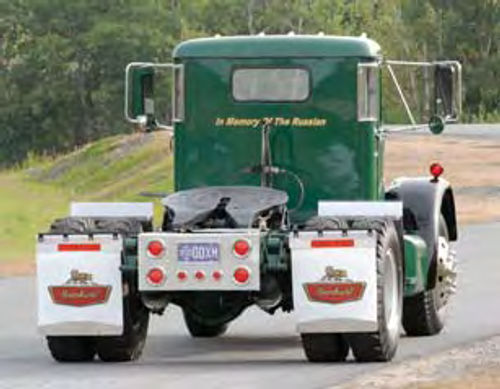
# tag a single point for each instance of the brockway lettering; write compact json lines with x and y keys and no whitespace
{"x":80,"y":296}
{"x":335,"y":293}
{"x":334,"y":288}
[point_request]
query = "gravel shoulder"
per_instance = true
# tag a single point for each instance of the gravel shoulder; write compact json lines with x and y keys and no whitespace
{"x":473,"y":366}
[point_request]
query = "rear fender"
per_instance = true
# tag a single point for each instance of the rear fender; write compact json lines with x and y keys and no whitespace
{"x":424,"y":200}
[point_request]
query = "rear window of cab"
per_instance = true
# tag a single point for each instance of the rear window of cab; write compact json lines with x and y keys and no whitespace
{"x":270,"y":84}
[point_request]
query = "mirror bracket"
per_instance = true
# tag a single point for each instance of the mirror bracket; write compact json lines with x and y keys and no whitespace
{"x":144,"y":117}
{"x":447,"y":84}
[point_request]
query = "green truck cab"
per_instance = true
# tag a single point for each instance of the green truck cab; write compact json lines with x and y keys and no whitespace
{"x":304,"y":87}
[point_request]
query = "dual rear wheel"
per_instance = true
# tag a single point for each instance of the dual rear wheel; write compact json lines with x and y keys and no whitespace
{"x":126,"y":347}
{"x":420,"y":315}
{"x":129,"y":345}
{"x":373,"y":346}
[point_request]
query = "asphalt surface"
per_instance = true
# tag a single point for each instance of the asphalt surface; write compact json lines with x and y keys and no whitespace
{"x":483,"y":131}
{"x":258,"y":351}
{"x":475,"y":131}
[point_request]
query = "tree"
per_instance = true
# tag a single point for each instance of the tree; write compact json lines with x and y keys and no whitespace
{"x":61,"y":62}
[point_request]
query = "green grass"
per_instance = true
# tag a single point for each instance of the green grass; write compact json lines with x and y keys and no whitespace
{"x":113,"y":169}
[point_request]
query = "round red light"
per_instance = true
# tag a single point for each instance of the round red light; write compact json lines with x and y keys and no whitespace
{"x":156,"y":248}
{"x":156,"y":276}
{"x":241,"y":275}
{"x":182,"y":275}
{"x":217,"y":275}
{"x":199,"y":275}
{"x":241,"y":248}
{"x":436,"y":169}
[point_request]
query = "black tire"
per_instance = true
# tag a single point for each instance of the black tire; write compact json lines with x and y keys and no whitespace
{"x":85,"y":225}
{"x":421,"y":315}
{"x":198,"y":329}
{"x":71,"y":348}
{"x":130,"y":344}
{"x":325,"y":347}
{"x":325,"y":223}
{"x":70,"y":225}
{"x":381,"y":346}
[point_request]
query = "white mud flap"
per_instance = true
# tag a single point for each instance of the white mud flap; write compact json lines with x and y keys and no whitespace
{"x":79,"y":285}
{"x":334,"y":281}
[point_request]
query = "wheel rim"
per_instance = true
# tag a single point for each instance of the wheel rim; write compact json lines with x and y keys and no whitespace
{"x":392,"y":309}
{"x":446,"y":274}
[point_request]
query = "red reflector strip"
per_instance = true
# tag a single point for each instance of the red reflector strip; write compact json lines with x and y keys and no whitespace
{"x":332,"y":243}
{"x":79,"y":247}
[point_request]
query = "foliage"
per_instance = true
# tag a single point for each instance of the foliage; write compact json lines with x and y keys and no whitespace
{"x":61,"y":62}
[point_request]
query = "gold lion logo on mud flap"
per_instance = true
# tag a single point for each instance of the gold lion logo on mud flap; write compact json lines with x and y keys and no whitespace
{"x":77,"y":277}
{"x":334,"y":288}
{"x":79,"y":291}
{"x":334,"y":274}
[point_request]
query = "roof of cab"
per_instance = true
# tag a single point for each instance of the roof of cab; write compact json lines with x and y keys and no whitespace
{"x":256,"y":46}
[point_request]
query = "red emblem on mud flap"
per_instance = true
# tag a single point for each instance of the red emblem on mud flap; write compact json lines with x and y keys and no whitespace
{"x":80,"y":291}
{"x":335,"y":288}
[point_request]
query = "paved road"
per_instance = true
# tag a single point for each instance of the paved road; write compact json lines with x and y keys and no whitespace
{"x":259,"y":350}
{"x":474,"y":131}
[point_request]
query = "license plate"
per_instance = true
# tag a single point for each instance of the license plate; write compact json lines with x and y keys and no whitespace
{"x":198,"y":252}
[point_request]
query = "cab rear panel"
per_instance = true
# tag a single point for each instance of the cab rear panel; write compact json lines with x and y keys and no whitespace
{"x":216,"y":142}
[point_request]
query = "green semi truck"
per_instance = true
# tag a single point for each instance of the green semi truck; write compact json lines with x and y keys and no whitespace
{"x":279,"y":202}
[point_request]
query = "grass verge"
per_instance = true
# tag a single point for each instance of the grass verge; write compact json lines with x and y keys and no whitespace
{"x":113,"y":169}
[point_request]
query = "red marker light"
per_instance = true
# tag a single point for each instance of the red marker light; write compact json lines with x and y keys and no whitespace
{"x":156,"y":276}
{"x":436,"y":170}
{"x":182,"y":275}
{"x":330,"y":243}
{"x":217,"y":275}
{"x":199,"y":275}
{"x":155,"y":248}
{"x":79,"y":247}
{"x":241,"y":248}
{"x":241,"y":275}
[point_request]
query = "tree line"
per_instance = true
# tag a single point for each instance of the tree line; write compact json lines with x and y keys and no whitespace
{"x":62,"y":62}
